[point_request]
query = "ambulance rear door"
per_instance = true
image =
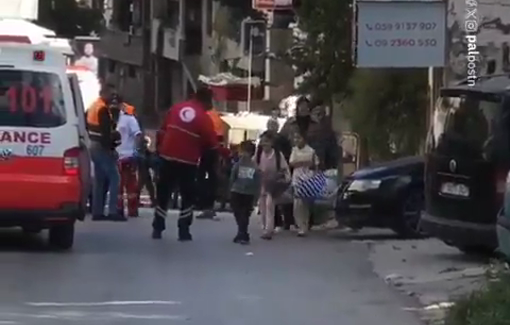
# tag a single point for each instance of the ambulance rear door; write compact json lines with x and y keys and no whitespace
{"x":83,"y":136}
{"x":39,"y":137}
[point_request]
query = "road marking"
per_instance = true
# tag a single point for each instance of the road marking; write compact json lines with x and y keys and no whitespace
{"x":103,"y":303}
{"x":7,"y":322}
{"x":78,"y":316}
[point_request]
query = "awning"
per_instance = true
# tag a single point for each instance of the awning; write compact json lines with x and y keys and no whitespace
{"x":227,"y":87}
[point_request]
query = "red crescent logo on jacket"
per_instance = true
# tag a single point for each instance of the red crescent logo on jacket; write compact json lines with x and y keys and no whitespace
{"x":187,"y":114}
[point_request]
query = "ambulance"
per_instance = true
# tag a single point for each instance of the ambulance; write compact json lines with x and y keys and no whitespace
{"x":44,"y":161}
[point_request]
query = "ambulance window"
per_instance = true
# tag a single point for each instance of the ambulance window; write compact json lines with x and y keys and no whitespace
{"x":31,"y":99}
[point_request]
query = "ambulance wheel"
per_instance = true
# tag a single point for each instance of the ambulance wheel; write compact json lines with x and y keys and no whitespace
{"x":62,"y":236}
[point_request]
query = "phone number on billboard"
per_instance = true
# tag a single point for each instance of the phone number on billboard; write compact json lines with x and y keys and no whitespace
{"x":402,"y":26}
{"x":402,"y":42}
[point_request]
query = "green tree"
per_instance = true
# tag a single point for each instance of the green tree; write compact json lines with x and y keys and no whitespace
{"x":323,"y":55}
{"x":388,"y":109}
{"x":68,"y":18}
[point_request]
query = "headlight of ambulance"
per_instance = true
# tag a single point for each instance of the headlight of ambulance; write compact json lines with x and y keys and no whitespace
{"x":362,"y":185}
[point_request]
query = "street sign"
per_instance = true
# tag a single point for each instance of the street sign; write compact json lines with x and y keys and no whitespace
{"x":256,"y":31}
{"x":400,"y":34}
{"x":272,"y":5}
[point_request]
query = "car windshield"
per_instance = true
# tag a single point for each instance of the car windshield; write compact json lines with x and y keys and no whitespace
{"x":469,"y":126}
{"x":31,"y":99}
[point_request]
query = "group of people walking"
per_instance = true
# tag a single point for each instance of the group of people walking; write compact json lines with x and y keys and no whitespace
{"x":282,"y":159}
{"x":188,"y":145}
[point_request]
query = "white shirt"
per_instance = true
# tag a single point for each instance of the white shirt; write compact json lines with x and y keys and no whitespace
{"x":128,"y":128}
{"x":304,"y":154}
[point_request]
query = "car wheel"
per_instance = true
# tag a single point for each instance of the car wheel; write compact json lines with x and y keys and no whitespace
{"x":409,"y":219}
{"x":62,"y":236}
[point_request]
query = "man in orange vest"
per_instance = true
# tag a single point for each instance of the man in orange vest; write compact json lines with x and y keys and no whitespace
{"x":102,"y":119}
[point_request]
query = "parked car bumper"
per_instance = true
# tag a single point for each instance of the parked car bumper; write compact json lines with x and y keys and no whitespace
{"x":459,"y":233}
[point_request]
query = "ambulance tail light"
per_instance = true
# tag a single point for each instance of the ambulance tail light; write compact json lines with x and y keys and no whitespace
{"x":72,"y":161}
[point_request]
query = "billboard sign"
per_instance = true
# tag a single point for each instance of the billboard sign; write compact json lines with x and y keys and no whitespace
{"x":272,"y":5}
{"x":401,"y":34}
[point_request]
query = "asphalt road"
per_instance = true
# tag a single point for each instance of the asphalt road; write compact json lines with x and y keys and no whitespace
{"x":116,"y":274}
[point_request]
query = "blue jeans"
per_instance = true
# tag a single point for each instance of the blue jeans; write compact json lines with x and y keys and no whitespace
{"x":105,"y":170}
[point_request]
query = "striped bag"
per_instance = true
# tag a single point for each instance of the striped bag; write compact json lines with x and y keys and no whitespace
{"x":311,"y":188}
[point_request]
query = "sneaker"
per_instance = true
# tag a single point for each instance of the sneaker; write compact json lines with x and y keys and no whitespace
{"x":184,"y":236}
{"x":237,"y":239}
{"x":278,"y":229}
{"x":301,"y":234}
{"x":101,"y":217}
{"x":207,"y":215}
{"x":267,"y":236}
{"x":156,"y":234}
{"x":117,"y":217}
{"x":244,"y":242}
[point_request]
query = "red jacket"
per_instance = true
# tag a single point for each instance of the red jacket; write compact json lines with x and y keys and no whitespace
{"x":186,"y":132}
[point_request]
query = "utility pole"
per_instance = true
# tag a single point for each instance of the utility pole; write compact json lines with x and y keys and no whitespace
{"x":149,"y":107}
{"x":253,"y":40}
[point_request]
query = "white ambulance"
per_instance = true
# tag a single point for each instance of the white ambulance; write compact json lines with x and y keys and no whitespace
{"x":44,"y":161}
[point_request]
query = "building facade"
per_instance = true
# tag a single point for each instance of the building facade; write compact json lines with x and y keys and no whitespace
{"x":155,"y":50}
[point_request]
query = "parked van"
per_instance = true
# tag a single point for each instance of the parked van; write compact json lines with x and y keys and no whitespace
{"x":44,"y":164}
{"x":467,"y":161}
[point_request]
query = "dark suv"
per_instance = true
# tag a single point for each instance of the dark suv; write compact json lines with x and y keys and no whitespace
{"x":466,"y":164}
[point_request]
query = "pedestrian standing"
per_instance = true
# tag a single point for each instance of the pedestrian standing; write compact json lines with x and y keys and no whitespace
{"x":274,"y":170}
{"x":145,"y":166}
{"x":245,"y":187}
{"x":102,"y":120}
{"x":304,"y":162}
{"x":283,"y":213}
{"x":186,"y":131}
{"x":131,"y":142}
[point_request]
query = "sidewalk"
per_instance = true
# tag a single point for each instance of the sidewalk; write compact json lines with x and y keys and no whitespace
{"x":427,"y":270}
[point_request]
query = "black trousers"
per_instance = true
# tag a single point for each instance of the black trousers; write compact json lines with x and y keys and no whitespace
{"x":242,"y":206}
{"x":207,"y":186}
{"x":284,"y":216}
{"x":173,"y":174}
{"x":145,"y":179}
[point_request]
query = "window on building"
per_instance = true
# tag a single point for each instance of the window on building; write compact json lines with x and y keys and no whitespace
{"x":209,"y":18}
{"x":137,"y":10}
{"x":172,"y":14}
{"x":123,"y":14}
{"x":111,"y":66}
{"x":131,"y":71}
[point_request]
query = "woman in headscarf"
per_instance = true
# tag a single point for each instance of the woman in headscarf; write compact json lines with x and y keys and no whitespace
{"x":317,"y":132}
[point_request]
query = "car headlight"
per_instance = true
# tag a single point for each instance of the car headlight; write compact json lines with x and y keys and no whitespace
{"x":362,"y":185}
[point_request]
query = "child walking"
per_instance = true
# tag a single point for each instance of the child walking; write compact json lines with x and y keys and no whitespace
{"x":245,"y":188}
{"x":274,"y":171}
{"x":304,"y":162}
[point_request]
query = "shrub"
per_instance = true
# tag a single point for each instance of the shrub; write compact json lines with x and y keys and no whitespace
{"x":489,"y":306}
